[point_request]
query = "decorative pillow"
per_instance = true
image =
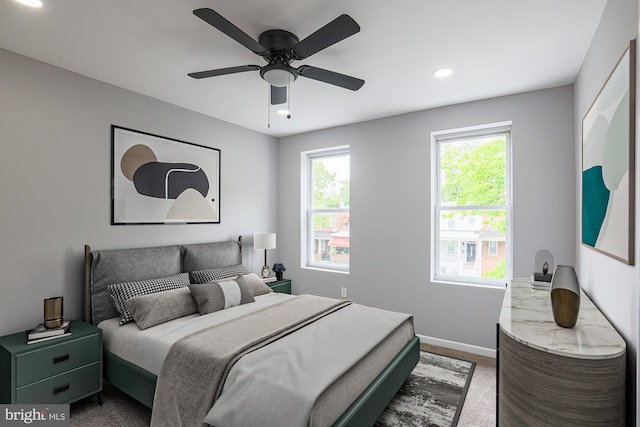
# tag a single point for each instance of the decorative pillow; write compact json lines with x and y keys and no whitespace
{"x":215,"y":296}
{"x":257,"y":286}
{"x":153,"y":309}
{"x":120,"y":292}
{"x":209,"y":274}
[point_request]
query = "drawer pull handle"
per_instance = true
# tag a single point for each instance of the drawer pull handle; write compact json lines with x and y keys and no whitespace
{"x":61,"y":388}
{"x":60,"y":358}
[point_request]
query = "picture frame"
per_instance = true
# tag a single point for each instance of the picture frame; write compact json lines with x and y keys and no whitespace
{"x":608,"y":166}
{"x":159,"y":180}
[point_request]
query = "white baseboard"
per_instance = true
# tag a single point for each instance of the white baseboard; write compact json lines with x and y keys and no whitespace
{"x":454,"y":345}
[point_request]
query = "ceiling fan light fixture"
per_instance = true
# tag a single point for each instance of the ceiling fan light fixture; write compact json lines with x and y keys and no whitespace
{"x":443,"y":72}
{"x":31,"y":3}
{"x":278,"y":75}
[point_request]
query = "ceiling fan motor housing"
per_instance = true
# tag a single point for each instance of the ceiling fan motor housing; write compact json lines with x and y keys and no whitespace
{"x":278,"y":54}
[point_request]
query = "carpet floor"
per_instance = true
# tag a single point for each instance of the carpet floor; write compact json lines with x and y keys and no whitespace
{"x":432,"y":396}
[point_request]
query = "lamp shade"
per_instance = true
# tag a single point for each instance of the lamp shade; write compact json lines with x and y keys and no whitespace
{"x":565,"y":296}
{"x":264,"y":240}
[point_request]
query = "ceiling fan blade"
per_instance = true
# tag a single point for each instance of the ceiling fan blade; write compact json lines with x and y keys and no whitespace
{"x":339,"y":29}
{"x":216,"y":20}
{"x":223,"y":71}
{"x":278,"y":95}
{"x":330,"y":77}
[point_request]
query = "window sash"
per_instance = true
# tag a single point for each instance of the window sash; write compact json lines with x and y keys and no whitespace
{"x":308,"y":260}
{"x":438,"y":138}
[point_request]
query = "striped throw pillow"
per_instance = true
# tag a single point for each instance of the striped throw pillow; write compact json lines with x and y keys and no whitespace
{"x":216,"y":296}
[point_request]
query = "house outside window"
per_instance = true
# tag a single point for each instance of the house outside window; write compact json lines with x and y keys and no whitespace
{"x":471,"y":188}
{"x":326,"y":221}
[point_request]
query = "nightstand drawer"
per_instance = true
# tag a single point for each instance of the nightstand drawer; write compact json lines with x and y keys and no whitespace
{"x":63,"y":387}
{"x":54,"y":359}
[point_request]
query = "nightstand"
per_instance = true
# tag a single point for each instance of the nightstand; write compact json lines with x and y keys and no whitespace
{"x":281,"y":286}
{"x":60,"y":370}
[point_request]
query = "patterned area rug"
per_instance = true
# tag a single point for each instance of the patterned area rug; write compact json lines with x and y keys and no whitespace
{"x":433,"y":394}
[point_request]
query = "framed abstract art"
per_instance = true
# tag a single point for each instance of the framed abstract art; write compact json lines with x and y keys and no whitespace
{"x":158,"y":180}
{"x":608,"y":167}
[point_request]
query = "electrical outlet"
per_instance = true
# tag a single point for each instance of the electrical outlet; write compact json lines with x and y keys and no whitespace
{"x":343,"y":292}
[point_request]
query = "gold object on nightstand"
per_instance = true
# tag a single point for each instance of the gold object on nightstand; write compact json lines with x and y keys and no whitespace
{"x":53,"y":312}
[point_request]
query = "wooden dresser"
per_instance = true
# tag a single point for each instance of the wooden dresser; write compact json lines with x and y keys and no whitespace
{"x":553,"y":376}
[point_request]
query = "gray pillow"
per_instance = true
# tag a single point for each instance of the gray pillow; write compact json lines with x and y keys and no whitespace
{"x":216,"y":296}
{"x":209,"y":274}
{"x":121,"y":292}
{"x":153,"y":309}
{"x":256,"y":284}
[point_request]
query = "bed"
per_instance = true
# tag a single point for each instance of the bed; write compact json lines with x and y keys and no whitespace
{"x":358,"y":376}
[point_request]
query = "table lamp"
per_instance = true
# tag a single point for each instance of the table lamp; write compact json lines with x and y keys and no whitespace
{"x":265,"y":241}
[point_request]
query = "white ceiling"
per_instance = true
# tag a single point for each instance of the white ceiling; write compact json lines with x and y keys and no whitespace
{"x":496,"y":47}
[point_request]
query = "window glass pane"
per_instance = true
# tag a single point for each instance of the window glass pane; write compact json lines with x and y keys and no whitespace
{"x":473,"y":171}
{"x":330,"y":243}
{"x":474,"y":256}
{"x":327,"y":205}
{"x":330,"y":185}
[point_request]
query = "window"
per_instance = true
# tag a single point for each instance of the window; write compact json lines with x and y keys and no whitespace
{"x":325,"y":201}
{"x":493,"y":248}
{"x":471,"y":189}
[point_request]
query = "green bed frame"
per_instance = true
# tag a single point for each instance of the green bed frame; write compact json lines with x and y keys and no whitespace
{"x":364,"y":411}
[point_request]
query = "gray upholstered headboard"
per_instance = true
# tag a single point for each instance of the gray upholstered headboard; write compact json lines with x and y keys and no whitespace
{"x":105,"y":267}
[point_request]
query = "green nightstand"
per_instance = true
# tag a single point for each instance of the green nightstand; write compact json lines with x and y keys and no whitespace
{"x":60,"y":370}
{"x":281,"y":286}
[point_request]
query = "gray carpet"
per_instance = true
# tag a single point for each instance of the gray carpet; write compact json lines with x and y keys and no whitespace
{"x":431,"y":397}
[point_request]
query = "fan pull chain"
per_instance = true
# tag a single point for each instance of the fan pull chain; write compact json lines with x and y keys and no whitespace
{"x":269,"y":109}
{"x":289,"y":98}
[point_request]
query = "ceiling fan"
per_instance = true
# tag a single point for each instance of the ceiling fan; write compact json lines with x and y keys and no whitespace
{"x":279,"y":48}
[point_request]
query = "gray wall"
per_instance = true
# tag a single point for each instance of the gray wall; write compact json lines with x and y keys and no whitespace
{"x":55,"y":171}
{"x":612,"y":285}
{"x":390,"y":209}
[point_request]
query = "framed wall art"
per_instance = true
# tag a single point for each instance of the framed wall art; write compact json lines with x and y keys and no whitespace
{"x":608,"y":167}
{"x":158,"y":180}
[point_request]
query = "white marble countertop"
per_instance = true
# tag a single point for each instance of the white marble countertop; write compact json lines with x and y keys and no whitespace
{"x":527,"y":317}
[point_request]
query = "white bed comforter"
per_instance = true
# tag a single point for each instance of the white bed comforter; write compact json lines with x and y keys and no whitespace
{"x":278,"y":384}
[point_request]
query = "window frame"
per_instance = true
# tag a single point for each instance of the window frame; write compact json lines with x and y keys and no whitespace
{"x":438,"y":137}
{"x":307,"y":210}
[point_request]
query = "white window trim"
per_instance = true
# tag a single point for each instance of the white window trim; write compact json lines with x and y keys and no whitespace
{"x":436,"y":209}
{"x":306,"y":240}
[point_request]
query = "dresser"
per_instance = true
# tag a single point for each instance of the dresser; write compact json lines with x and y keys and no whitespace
{"x":553,"y":376}
{"x":60,"y":370}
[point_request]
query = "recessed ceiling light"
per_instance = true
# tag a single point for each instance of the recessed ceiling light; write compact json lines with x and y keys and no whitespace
{"x":31,"y":3}
{"x":282,"y":112}
{"x":443,"y":72}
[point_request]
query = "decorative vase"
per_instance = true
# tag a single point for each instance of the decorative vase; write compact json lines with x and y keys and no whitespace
{"x":278,"y":275}
{"x":53,"y":312}
{"x":565,"y":296}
